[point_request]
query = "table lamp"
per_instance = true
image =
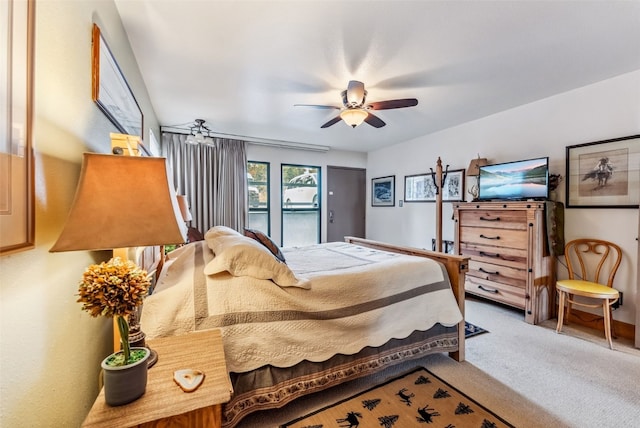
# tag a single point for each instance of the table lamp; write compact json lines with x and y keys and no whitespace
{"x":121,"y":202}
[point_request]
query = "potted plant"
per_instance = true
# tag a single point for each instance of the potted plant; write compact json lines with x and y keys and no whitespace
{"x":116,"y":289}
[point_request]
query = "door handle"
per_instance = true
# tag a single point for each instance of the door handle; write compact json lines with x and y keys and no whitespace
{"x":330,"y":216}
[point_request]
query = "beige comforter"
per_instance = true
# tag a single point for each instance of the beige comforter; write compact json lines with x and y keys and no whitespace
{"x":357,"y":297}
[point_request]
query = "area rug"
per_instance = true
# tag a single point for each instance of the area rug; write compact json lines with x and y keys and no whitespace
{"x":412,"y":400}
{"x":471,"y":330}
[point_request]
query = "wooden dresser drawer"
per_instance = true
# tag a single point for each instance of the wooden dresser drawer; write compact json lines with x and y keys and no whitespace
{"x":502,"y":219}
{"x":494,"y":237}
{"x":497,"y":273}
{"x":507,"y":294}
{"x":514,"y":257}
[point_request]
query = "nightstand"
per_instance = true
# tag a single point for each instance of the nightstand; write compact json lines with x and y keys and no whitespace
{"x":164,"y":403}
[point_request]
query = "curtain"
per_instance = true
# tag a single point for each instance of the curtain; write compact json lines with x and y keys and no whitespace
{"x":213,"y":176}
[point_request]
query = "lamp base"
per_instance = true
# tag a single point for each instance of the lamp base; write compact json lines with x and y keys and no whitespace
{"x":153,"y":358}
{"x":137,"y":338}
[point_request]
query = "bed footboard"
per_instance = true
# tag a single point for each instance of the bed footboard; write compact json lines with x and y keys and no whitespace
{"x":456,"y":266}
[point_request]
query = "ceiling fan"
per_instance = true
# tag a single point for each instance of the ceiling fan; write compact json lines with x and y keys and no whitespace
{"x":355,"y":110}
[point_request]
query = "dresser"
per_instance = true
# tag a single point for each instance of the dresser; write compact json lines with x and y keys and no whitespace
{"x":509,"y":260}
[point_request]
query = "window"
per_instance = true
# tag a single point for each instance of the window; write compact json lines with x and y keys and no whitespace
{"x":300,"y":205}
{"x":258,"y":194}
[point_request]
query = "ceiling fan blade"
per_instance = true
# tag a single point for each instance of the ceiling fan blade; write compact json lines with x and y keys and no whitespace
{"x":332,"y":122}
{"x":374,"y":121}
{"x":355,"y":92}
{"x":317,"y":106}
{"x":387,"y":105}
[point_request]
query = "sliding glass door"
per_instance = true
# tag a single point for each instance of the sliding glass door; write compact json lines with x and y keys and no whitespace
{"x":301,"y":199}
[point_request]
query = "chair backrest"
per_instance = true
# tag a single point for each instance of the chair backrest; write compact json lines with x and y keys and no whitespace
{"x":588,"y":258}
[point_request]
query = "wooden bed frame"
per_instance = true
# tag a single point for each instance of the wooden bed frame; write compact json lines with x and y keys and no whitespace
{"x":456,"y":266}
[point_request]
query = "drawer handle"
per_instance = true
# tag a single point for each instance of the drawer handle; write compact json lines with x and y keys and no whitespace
{"x":489,"y":237}
{"x":489,"y":272}
{"x":488,"y":290}
{"x":490,"y":219}
{"x":496,"y":256}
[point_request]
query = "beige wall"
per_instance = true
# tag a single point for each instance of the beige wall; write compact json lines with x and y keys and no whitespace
{"x":49,"y":349}
{"x":601,"y":111}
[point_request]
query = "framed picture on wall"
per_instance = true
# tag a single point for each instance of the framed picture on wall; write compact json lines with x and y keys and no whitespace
{"x":110,"y":89}
{"x":383,"y":191}
{"x":604,"y":174}
{"x":453,"y":187}
{"x":419,"y":188}
{"x":17,"y":200}
{"x":422,"y":187}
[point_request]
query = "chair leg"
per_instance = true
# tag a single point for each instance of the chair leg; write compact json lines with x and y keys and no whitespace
{"x":607,"y":321}
{"x":613,"y":328}
{"x":568,"y":298}
{"x":561,"y":294}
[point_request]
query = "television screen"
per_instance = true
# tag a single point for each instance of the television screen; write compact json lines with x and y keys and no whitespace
{"x":525,"y":179}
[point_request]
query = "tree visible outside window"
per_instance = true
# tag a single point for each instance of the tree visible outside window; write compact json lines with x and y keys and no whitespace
{"x":258,"y":194}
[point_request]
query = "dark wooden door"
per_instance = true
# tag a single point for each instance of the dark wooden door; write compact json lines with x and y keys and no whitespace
{"x":346,"y":202}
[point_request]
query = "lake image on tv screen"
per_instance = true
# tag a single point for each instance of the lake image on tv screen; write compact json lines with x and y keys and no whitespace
{"x":518,"y":180}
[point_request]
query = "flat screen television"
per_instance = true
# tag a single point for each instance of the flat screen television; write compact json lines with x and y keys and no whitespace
{"x":519,"y":180}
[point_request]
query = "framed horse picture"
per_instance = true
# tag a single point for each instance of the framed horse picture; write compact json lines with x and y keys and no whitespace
{"x":604,"y":174}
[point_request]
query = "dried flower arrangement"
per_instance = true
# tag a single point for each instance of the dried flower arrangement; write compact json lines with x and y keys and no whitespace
{"x":114,"y":289}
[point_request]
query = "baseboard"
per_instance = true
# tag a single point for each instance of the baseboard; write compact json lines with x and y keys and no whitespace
{"x":587,"y":319}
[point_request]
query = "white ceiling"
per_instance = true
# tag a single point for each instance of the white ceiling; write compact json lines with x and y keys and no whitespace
{"x":242,"y":65}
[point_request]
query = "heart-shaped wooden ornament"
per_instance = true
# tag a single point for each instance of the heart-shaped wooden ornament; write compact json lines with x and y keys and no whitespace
{"x":188,"y":379}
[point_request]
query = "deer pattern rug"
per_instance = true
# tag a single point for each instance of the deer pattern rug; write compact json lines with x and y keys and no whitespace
{"x":415,"y":399}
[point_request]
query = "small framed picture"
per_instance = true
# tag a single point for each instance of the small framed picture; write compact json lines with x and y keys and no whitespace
{"x":383,"y":191}
{"x":453,"y":187}
{"x":422,"y":187}
{"x":419,"y":188}
{"x":604,"y":174}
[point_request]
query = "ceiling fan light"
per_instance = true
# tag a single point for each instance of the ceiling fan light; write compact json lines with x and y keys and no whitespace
{"x":354,"y":116}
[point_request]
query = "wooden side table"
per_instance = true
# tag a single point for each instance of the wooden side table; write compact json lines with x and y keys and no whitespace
{"x":164,"y":403}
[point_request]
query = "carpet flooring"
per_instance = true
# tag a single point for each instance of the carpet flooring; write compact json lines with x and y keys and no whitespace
{"x":410,"y":400}
{"x":536,"y":377}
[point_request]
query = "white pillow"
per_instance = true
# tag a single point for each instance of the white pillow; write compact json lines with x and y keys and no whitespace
{"x":217,"y":231}
{"x":243,"y":256}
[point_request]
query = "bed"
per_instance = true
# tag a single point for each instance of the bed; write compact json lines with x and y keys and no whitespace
{"x":291,"y":326}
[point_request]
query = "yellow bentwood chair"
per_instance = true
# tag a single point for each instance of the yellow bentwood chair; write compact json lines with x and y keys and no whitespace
{"x":605,"y":257}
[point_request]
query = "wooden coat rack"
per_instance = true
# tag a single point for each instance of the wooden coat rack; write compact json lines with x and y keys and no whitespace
{"x":439,"y":178}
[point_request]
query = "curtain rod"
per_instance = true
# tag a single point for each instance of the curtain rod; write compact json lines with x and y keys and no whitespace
{"x":257,"y":141}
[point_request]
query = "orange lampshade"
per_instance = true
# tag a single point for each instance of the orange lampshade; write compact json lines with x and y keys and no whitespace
{"x":474,"y":166}
{"x":122,"y":201}
{"x":183,"y":203}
